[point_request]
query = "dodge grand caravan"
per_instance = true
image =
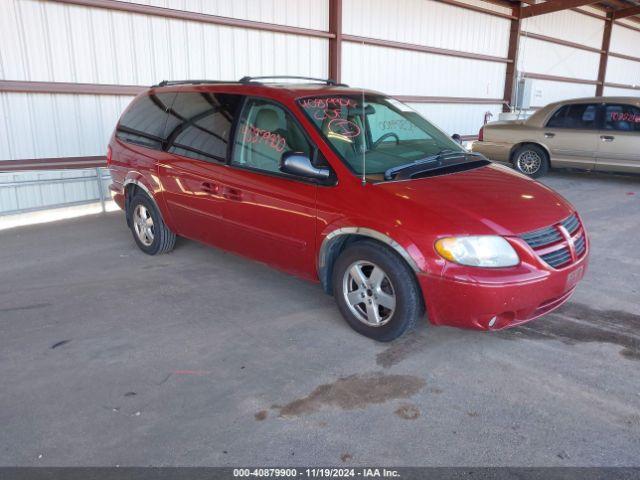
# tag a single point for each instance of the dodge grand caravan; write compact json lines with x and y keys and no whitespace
{"x":351,"y":189}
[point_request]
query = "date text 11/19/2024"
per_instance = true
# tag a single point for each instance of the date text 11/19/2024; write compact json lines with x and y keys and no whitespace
{"x":316,"y":473}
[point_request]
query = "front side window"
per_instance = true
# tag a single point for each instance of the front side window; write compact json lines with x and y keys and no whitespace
{"x":381,"y":132}
{"x":143,"y":123}
{"x":577,"y":116}
{"x":623,"y":118}
{"x":199,"y":125}
{"x":266,"y":132}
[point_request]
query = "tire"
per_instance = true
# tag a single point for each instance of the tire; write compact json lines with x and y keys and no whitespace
{"x":153,"y":237}
{"x":531,"y":160}
{"x":386,"y":277}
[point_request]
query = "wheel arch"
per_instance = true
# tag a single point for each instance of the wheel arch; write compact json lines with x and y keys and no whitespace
{"x":337,"y":240}
{"x":133,"y":184}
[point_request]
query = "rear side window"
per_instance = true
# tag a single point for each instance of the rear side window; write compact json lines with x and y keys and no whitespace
{"x":143,"y":123}
{"x":578,"y":116}
{"x":623,"y":118}
{"x":199,"y":125}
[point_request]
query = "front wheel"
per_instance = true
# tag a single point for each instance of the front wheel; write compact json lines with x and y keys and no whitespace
{"x":376,"y":291}
{"x":531,"y":160}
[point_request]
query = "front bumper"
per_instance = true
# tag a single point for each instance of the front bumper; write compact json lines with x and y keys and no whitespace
{"x":489,"y":304}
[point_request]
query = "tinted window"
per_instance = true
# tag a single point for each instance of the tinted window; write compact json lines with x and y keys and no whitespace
{"x":266,"y":132}
{"x":199,"y":125}
{"x":580,"y":116}
{"x":144,"y":122}
{"x":624,"y":118}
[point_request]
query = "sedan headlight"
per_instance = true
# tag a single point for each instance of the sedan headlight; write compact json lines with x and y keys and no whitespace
{"x":478,"y":251}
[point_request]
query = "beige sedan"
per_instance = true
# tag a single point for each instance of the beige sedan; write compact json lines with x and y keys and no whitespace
{"x":599,"y":133}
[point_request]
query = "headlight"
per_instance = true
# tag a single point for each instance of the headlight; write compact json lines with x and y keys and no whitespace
{"x":478,"y":251}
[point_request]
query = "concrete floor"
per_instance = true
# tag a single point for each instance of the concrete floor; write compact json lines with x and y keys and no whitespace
{"x":112,"y":357}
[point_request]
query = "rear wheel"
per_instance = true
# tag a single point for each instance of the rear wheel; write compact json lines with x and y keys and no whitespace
{"x":376,"y":291}
{"x":531,"y":160}
{"x":149,"y":231}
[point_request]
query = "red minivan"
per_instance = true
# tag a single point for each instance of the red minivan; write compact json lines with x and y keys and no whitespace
{"x":349,"y":188}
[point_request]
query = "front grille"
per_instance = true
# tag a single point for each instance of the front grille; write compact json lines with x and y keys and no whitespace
{"x":543,"y":237}
{"x":571,"y":224}
{"x":552,"y":246}
{"x":557,"y":258}
{"x":580,"y":245}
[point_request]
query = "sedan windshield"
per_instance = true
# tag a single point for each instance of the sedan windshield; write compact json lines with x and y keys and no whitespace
{"x":378,"y":134}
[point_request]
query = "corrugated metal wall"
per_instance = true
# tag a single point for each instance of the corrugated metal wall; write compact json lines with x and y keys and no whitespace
{"x":457,"y":118}
{"x":48,"y":41}
{"x":546,"y":58}
{"x":313,"y":14}
{"x":53,"y":42}
{"x":37,"y":125}
{"x":401,"y":72}
{"x":427,"y":22}
{"x":567,"y":25}
{"x":621,"y":92}
{"x":538,"y":56}
{"x":620,"y":70}
{"x":544,"y":92}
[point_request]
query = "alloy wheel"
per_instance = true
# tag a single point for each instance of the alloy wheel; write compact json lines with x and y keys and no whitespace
{"x":529,"y":162}
{"x":369,"y":293}
{"x":143,"y":225}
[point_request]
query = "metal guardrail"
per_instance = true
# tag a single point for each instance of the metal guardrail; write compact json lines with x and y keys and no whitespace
{"x":20,"y":193}
{"x":53,"y":163}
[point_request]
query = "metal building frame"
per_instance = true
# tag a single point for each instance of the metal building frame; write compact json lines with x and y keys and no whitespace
{"x":612,"y":12}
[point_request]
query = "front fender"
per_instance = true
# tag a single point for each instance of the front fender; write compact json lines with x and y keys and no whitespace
{"x":333,"y":236}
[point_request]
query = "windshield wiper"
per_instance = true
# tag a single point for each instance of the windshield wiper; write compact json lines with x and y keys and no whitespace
{"x":389,"y":173}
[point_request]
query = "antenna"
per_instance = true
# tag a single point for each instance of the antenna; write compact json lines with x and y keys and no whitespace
{"x":363,"y":145}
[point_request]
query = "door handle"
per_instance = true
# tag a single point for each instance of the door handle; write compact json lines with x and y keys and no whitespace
{"x":232,"y":194}
{"x":549,"y":135}
{"x":607,"y":138}
{"x":209,"y":187}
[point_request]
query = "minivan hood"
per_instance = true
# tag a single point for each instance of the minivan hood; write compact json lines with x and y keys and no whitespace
{"x":492,"y":199}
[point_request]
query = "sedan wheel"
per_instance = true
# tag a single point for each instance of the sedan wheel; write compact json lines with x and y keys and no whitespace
{"x":529,"y":162}
{"x":369,"y":293}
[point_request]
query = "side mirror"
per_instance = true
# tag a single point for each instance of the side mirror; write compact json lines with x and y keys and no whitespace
{"x":296,"y":163}
{"x":457,"y":138}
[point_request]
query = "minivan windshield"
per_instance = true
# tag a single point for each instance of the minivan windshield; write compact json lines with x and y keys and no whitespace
{"x":381,"y":132}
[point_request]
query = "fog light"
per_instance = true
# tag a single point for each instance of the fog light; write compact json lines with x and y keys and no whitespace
{"x":492,"y":322}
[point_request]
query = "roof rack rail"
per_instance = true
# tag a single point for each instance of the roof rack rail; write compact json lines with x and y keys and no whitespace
{"x":328,"y":81}
{"x":167,"y":83}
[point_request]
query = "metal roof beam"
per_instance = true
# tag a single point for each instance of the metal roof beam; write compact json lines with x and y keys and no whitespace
{"x":551,"y":6}
{"x":627,"y":12}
